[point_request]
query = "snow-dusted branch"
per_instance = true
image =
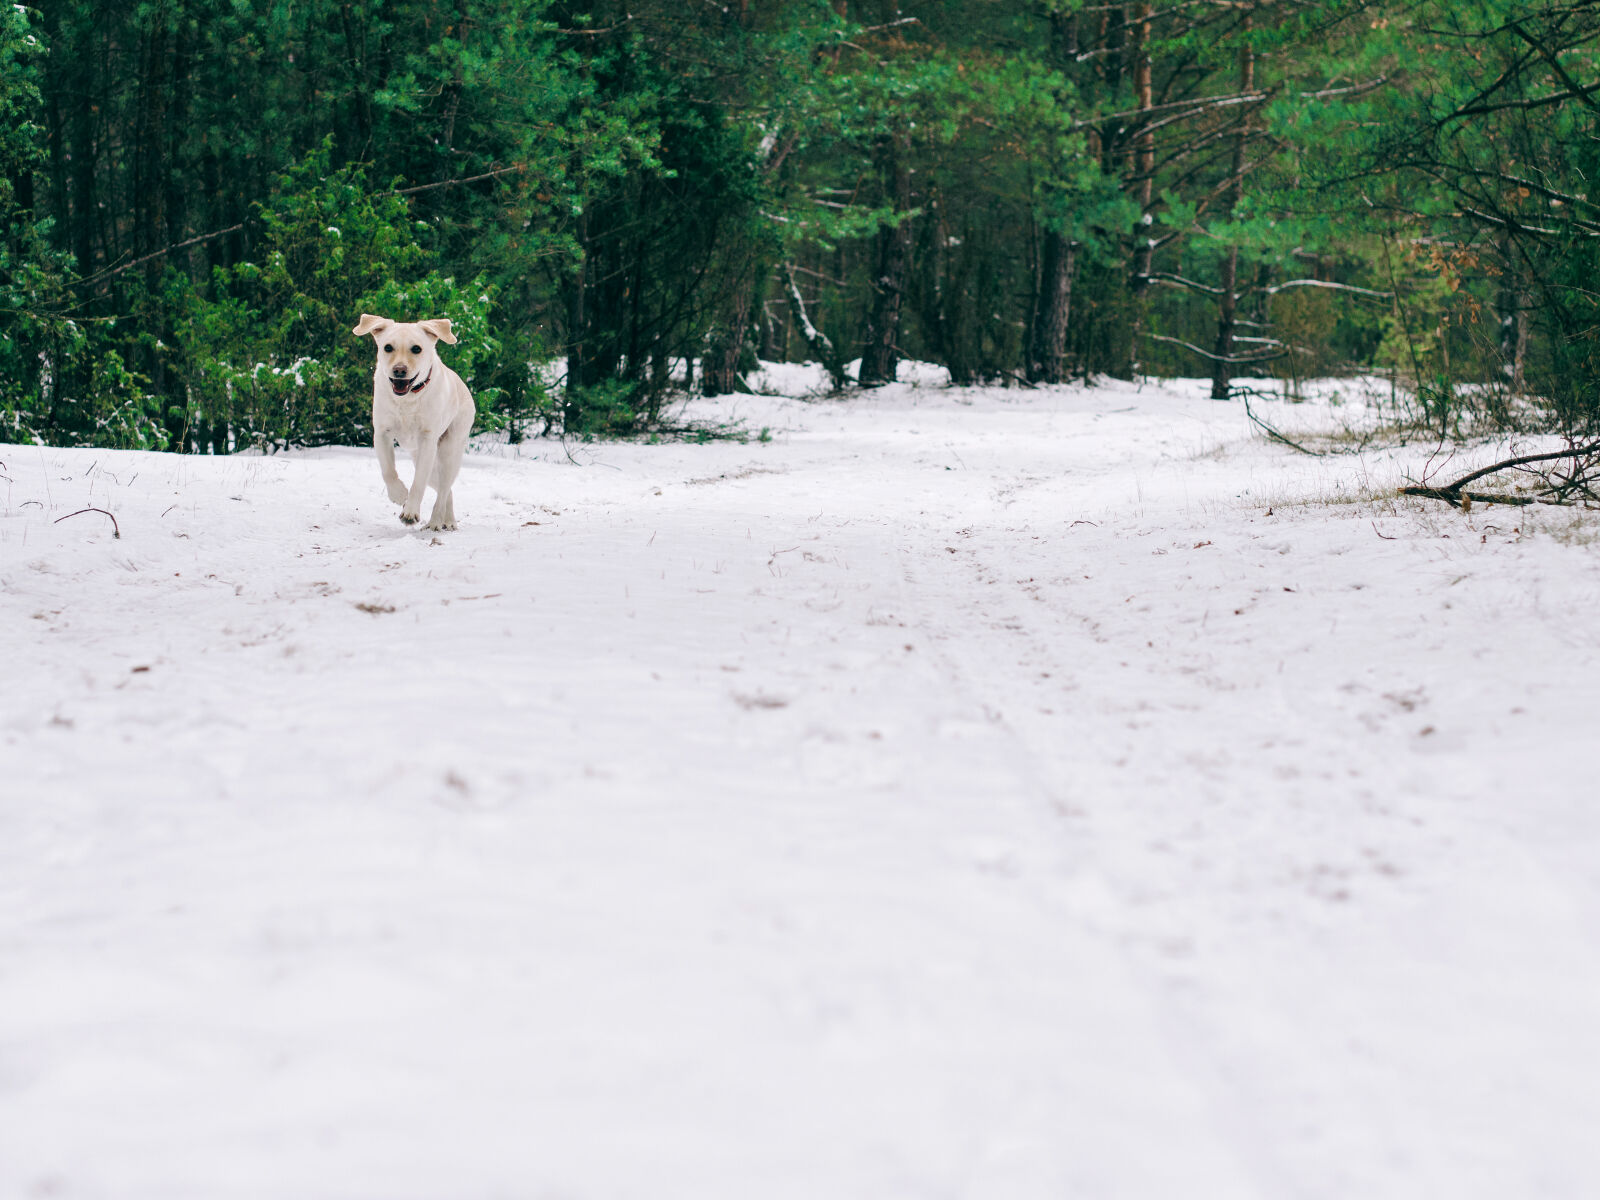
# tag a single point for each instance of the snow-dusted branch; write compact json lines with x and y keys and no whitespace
{"x":814,"y":336}
{"x":1236,"y":360}
{"x":1518,"y":226}
{"x":1355,"y":89}
{"x":1191,"y":107}
{"x":895,"y":24}
{"x":1179,"y":281}
{"x":818,"y":342}
{"x":1323,"y":283}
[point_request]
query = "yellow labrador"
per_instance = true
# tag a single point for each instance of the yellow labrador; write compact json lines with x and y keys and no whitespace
{"x":422,"y":404}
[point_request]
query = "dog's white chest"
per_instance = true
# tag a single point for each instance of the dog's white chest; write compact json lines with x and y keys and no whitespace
{"x":408,"y":418}
{"x":406,"y":422}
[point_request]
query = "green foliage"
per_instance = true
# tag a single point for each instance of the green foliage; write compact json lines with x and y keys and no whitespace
{"x":266,"y":351}
{"x":1477,"y":171}
{"x":609,"y":408}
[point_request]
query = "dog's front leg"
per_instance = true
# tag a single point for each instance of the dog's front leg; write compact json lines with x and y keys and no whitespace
{"x":383,"y":443}
{"x":427,"y":452}
{"x":451,"y":447}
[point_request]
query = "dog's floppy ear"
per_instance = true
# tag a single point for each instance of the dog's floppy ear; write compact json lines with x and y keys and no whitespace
{"x":371,"y":324}
{"x":440,"y":328}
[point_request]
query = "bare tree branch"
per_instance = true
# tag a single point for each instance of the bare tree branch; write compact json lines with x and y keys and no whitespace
{"x":1576,"y":93}
{"x":1555,"y":65}
{"x":443,"y":183}
{"x":128,"y":266}
{"x":211,"y":237}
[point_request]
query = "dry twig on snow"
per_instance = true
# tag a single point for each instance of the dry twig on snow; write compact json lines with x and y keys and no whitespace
{"x":116,"y":531}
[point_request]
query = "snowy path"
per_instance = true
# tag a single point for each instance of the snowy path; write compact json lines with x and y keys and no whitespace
{"x":966,"y":794}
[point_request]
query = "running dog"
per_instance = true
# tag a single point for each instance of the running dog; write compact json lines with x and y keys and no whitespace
{"x":422,"y":404}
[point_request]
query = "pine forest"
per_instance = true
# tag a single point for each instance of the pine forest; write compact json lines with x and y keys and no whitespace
{"x":620,"y":202}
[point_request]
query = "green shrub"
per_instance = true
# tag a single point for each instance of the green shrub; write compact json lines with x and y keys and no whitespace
{"x":266,"y":352}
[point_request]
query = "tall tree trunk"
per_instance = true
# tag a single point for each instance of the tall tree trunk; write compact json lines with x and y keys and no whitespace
{"x":719,"y":369}
{"x":1114,"y":37}
{"x":577,"y":323}
{"x":454,"y":88}
{"x":1144,"y":169}
{"x":1227,"y":309}
{"x":586,"y":274}
{"x":174,"y":179}
{"x":355,"y":53}
{"x":1513,"y":304}
{"x":1228,"y":302}
{"x":149,"y":149}
{"x":1047,"y":359}
{"x":1519,"y":358}
{"x":934,"y":259}
{"x":1058,"y":253}
{"x":83,"y":155}
{"x":152,"y":191}
{"x":56,"y":133}
{"x":770,"y":346}
{"x":880,"y":352}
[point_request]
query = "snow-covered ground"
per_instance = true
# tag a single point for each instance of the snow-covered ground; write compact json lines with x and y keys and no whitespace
{"x":1016,"y":795}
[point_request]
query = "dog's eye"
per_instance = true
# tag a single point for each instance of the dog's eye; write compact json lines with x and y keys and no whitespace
{"x":416,"y":349}
{"x":388,"y":349}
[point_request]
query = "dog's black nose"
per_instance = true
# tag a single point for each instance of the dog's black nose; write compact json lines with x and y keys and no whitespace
{"x":399,"y":372}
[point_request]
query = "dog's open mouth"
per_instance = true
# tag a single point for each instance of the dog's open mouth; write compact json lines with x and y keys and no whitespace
{"x":400,"y":386}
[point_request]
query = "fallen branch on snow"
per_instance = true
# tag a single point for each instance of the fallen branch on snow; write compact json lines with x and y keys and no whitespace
{"x":1244,"y":393}
{"x":1456,"y":498}
{"x":1575,"y":486}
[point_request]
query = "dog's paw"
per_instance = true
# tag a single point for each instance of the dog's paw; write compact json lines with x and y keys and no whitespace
{"x":441,"y":525}
{"x":397,"y":492}
{"x":408,"y":518}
